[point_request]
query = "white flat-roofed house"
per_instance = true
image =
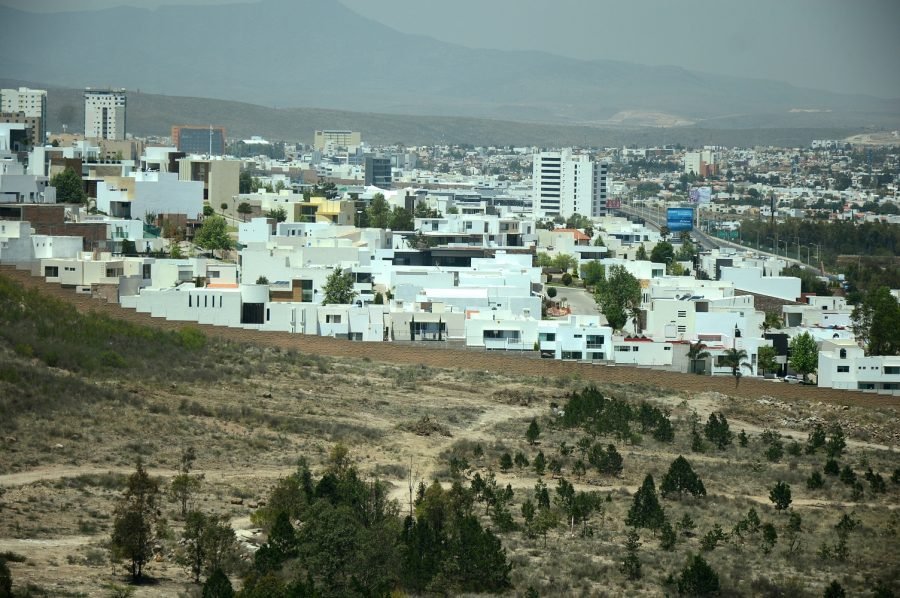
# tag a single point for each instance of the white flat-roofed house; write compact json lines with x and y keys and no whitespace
{"x":843,"y":364}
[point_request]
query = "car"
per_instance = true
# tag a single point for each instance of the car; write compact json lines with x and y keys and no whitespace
{"x":791,"y":379}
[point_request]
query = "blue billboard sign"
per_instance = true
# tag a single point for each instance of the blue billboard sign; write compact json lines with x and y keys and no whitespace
{"x":679,"y":219}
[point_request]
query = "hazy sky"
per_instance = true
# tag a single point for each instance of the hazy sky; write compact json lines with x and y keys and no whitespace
{"x":848,"y":46}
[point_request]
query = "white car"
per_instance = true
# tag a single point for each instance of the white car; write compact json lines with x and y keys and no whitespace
{"x":791,"y":379}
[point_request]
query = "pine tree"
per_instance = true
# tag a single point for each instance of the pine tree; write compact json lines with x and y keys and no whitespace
{"x":781,"y":496}
{"x":631,"y":564}
{"x":134,"y":525}
{"x":698,"y":578}
{"x":681,"y":479}
{"x":646,"y":511}
{"x":533,"y":431}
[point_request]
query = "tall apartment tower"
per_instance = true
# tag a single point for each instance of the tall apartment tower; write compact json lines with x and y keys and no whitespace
{"x":32,"y":105}
{"x":104,"y":113}
{"x":564,"y":183}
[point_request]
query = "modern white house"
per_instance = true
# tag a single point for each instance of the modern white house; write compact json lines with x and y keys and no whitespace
{"x":843,"y":364}
{"x":143,"y":193}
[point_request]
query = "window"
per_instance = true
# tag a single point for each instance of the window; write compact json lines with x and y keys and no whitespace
{"x":622,"y":348}
{"x":51,"y":271}
{"x":892,"y":370}
{"x":146,"y":271}
{"x":509,"y":335}
{"x":682,"y":313}
{"x":843,"y":354}
{"x":682,"y":329}
{"x":547,"y":336}
{"x":843,"y":369}
{"x":667,"y":348}
{"x":333,"y":318}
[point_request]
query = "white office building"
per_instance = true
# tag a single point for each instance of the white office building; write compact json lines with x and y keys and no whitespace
{"x":104,"y":113}
{"x":30,"y":102}
{"x":565,"y":183}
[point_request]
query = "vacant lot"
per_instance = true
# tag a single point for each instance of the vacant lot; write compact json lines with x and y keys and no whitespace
{"x":251,"y":411}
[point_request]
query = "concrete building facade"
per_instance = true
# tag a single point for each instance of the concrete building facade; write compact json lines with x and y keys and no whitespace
{"x":104,"y":113}
{"x":564,"y":183}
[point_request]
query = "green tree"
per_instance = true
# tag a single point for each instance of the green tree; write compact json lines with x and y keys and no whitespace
{"x":565,"y":262}
{"x":804,"y":354}
{"x":645,"y":510}
{"x":184,"y":485}
{"x":716,"y":430}
{"x":213,"y":234}
{"x":618,"y":295}
{"x":697,"y":352}
{"x":208,"y":211}
{"x":765,"y":359}
{"x":69,"y":188}
{"x":539,"y":463}
{"x":698,"y":578}
{"x":780,"y":496}
{"x":533,"y":431}
{"x":771,"y":321}
{"x":736,"y":359}
{"x":339,"y":288}
{"x":401,"y":219}
{"x":277,"y":214}
{"x":5,"y":580}
{"x":543,"y":260}
{"x":243,"y":209}
{"x":662,"y":253}
{"x":378,"y":213}
{"x":876,"y":322}
{"x":641,"y":253}
{"x":681,"y":479}
{"x":134,"y":524}
{"x":217,"y":586}
{"x":245,"y":183}
{"x":834,"y":590}
{"x":592,"y":273}
{"x":631,"y":564}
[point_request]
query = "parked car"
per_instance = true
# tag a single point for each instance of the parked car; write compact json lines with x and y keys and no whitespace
{"x":792,"y":379}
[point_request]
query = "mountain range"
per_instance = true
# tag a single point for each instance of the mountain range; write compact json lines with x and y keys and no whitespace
{"x":320,"y":54}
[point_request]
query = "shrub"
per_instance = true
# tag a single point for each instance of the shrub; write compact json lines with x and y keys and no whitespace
{"x":831,"y":467}
{"x":781,"y":496}
{"x":815,"y":481}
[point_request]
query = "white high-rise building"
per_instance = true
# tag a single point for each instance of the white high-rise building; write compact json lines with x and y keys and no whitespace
{"x":104,"y":113}
{"x":30,"y":102}
{"x":565,"y":183}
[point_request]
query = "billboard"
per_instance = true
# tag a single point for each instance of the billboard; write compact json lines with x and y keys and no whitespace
{"x":613,"y":204}
{"x":700,"y":195}
{"x":679,"y":219}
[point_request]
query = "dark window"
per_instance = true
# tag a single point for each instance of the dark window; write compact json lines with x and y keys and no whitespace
{"x":252,"y":313}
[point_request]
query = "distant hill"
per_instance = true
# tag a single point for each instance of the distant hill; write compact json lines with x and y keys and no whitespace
{"x":293,"y":53}
{"x":151,"y":114}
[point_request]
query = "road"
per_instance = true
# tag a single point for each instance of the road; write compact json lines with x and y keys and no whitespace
{"x":708,"y":242}
{"x":579,"y":301}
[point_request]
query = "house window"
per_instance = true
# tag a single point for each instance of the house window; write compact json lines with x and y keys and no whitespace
{"x":268,"y":314}
{"x":682,"y":329}
{"x":51,"y":271}
{"x":547,"y":336}
{"x":622,"y":348}
{"x":146,"y":272}
{"x":682,"y":313}
{"x":843,"y":369}
{"x":667,"y":348}
{"x":843,"y":354}
{"x":332,"y":318}
{"x":891,"y":370}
